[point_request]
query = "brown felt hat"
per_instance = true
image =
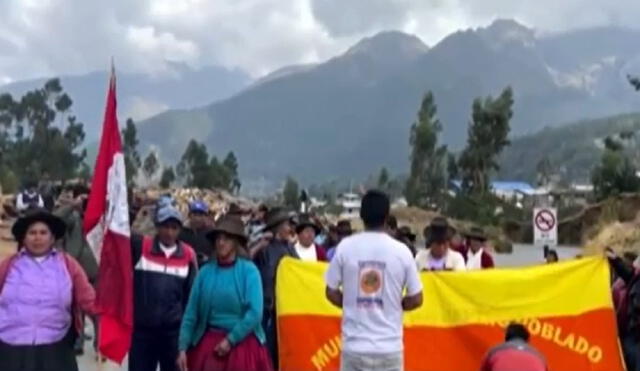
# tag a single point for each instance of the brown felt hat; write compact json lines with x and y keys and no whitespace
{"x":439,"y":230}
{"x":305,"y":221}
{"x":230,"y":225}
{"x":56,"y":225}
{"x":276,"y":217}
{"x":476,"y":233}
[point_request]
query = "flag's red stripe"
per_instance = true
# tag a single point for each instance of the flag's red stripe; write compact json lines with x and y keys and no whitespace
{"x":110,"y":144}
{"x":115,"y":296}
{"x":115,"y":284}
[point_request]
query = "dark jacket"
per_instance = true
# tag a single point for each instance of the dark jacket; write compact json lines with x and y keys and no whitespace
{"x":267,"y":261}
{"x":161,"y":285}
{"x":75,"y":244}
{"x":629,"y":312}
{"x":199,"y":242}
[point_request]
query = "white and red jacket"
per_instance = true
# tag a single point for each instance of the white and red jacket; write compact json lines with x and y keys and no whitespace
{"x":161,"y":284}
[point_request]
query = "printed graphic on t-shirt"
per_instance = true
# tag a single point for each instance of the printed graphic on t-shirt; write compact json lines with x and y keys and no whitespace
{"x":371,"y":282}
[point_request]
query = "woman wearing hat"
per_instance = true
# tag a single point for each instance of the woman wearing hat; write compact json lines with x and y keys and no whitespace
{"x":307,"y":250}
{"x":221,"y":328}
{"x":439,"y":255}
{"x":43,"y":294}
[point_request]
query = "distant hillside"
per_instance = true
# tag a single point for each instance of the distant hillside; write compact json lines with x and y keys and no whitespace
{"x":142,"y":96}
{"x":351,"y":115}
{"x":573,"y":150}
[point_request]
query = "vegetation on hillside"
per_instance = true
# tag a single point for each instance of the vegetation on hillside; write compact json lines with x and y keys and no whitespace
{"x":39,"y":136}
{"x":570,"y":152}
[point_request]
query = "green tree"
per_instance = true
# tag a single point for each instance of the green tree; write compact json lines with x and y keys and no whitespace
{"x":427,"y":176}
{"x":30,"y":143}
{"x":383,"y":179}
{"x":452,"y":167}
{"x":544,"y":171}
{"x":167,"y":178}
{"x":150,"y":165}
{"x":130,"y":143}
{"x":195,"y":167}
{"x":230,"y":165}
{"x":616,"y":173}
{"x":290,"y":193}
{"x":487,"y":138}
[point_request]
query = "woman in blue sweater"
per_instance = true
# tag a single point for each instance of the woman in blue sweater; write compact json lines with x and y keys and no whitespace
{"x":221,"y":328}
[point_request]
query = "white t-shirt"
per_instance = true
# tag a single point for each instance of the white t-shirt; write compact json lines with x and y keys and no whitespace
{"x":474,"y":261}
{"x":373,"y":270}
{"x":453,"y":260}
{"x":307,"y":254}
{"x":168,"y":250}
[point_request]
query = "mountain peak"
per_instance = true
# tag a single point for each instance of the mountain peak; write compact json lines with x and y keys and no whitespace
{"x":390,"y":43}
{"x":507,"y":31}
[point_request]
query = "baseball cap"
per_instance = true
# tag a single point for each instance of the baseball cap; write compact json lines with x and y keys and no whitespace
{"x":199,"y":206}
{"x":165,"y":200}
{"x":166,"y":213}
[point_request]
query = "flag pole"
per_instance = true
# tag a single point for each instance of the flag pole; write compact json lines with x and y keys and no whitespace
{"x":100,"y":358}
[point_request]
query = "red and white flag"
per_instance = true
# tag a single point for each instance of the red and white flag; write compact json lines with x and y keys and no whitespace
{"x":106,"y":226}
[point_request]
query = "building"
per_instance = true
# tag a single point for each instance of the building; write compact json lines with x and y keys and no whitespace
{"x":350,"y":203}
{"x":508,"y":191}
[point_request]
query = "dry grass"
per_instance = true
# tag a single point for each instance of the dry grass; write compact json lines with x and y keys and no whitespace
{"x":619,"y":236}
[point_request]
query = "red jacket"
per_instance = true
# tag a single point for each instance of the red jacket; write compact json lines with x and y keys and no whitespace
{"x":321,"y":254}
{"x":486,"y":260}
{"x":84,"y":296}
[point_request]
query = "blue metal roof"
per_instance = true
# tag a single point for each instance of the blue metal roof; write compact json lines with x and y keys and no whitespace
{"x":505,"y":186}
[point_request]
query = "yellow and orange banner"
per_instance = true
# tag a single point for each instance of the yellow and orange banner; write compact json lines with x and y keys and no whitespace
{"x":567,"y":308}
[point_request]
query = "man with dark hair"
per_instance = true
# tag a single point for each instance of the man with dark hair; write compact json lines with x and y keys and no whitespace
{"x":515,"y":354}
{"x":407,"y":237}
{"x":392,"y":226}
{"x":164,"y":270}
{"x":29,"y":198}
{"x":267,"y":254}
{"x":367,"y":278}
{"x":342,"y":230}
{"x":195,"y":234}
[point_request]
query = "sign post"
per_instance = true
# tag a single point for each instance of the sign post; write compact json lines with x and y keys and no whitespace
{"x":545,"y":226}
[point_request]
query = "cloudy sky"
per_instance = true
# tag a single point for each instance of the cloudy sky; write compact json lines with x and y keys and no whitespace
{"x":53,"y":37}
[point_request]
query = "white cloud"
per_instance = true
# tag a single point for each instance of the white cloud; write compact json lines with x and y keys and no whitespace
{"x":47,"y":37}
{"x":141,"y":108}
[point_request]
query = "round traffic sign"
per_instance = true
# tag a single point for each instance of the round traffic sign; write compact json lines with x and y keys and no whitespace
{"x":545,"y":220}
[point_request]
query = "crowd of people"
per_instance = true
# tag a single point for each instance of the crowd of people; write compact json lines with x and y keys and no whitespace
{"x":204,"y":290}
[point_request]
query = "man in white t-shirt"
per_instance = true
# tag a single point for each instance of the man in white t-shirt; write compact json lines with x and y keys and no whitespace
{"x":367,"y":279}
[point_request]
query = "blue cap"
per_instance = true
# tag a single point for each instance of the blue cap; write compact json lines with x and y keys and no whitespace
{"x":199,"y":206}
{"x":165,"y":200}
{"x":166,"y":213}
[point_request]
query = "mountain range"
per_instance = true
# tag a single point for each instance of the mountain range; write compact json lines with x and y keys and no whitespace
{"x":141,"y":96}
{"x":571,"y":151}
{"x":351,"y":115}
